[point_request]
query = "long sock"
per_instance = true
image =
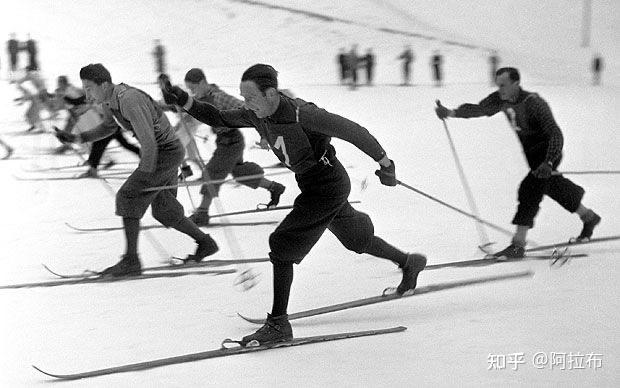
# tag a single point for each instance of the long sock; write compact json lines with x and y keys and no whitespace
{"x":520,"y":235}
{"x":584,"y":213}
{"x":187,"y":227}
{"x":282,"y":280}
{"x":379,"y":248}
{"x":132,"y":231}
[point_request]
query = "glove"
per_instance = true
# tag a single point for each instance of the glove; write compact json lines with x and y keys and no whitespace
{"x":263,"y":144}
{"x":173,"y":94}
{"x":387,"y":175}
{"x":186,"y":172}
{"x":441,"y":111}
{"x":65,"y":137}
{"x":543,"y":171}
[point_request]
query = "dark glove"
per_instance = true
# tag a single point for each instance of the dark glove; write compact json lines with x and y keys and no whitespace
{"x":442,"y":111}
{"x":173,"y":94}
{"x":65,"y":137}
{"x":186,"y":171}
{"x":387,"y":175}
{"x":543,"y":171}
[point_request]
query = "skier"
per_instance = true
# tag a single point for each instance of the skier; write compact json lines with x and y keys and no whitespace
{"x":12,"y":47}
{"x":531,"y":119}
{"x":597,"y":69}
{"x":369,"y":64}
{"x":160,"y":156}
{"x":159,"y":53}
{"x":228,"y":155}
{"x":437,"y":67}
{"x":408,"y":57}
{"x":299,"y":134}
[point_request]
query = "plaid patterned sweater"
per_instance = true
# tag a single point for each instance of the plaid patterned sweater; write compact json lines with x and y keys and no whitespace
{"x":531,"y":119}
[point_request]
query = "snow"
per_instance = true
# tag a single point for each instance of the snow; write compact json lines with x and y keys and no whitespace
{"x":451,"y":334}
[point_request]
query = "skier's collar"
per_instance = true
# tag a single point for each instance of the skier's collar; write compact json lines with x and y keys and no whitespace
{"x":286,"y":111}
{"x":112,"y":96}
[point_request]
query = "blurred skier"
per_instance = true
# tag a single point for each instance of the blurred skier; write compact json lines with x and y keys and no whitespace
{"x":228,"y":155}
{"x":408,"y":57}
{"x":353,"y":62}
{"x":437,"y":68}
{"x":493,"y":65}
{"x":542,"y":140}
{"x":12,"y":46}
{"x":159,"y":53}
{"x":33,"y":51}
{"x":597,"y":69}
{"x":369,"y":64}
{"x":341,"y":60}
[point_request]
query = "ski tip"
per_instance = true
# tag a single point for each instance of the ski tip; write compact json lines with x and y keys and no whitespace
{"x":44,"y":372}
{"x":257,"y":321}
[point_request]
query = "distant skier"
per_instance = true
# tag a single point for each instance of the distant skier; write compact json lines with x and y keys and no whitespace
{"x":33,"y":52}
{"x":159,"y":53}
{"x":408,"y":57}
{"x":369,"y":64}
{"x":342,"y":61}
{"x":437,"y":68}
{"x":12,"y":47}
{"x":541,"y":138}
{"x":597,"y":69}
{"x":493,"y":65}
{"x":353,"y":61}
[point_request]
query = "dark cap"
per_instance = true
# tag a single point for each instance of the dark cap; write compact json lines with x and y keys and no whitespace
{"x":96,"y":73}
{"x":195,"y":75}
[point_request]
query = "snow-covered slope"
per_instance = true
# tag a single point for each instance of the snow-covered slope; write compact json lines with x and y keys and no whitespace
{"x":450,"y":336}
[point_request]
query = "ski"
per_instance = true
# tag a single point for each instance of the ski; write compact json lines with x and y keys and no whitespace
{"x":169,"y":267}
{"x":221,"y":352}
{"x":393,"y":296}
{"x":146,"y":227}
{"x":80,"y":165}
{"x":211,"y":224}
{"x":491,"y":261}
{"x":96,"y":278}
{"x":570,"y":244}
{"x":119,"y":175}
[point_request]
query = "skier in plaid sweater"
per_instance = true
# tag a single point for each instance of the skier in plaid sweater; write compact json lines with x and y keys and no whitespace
{"x":531,"y":119}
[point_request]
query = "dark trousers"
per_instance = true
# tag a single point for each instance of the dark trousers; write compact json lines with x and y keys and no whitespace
{"x":228,"y":159}
{"x":131,"y":199}
{"x":323,"y":204}
{"x":532,"y":190}
{"x":98,"y":148}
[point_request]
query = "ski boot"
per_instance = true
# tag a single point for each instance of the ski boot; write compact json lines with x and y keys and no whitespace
{"x":588,"y":227}
{"x":412,"y":268}
{"x":128,"y":266}
{"x":205,"y":248}
{"x":275,"y":329}
{"x":511,"y":252}
{"x":276,"y":191}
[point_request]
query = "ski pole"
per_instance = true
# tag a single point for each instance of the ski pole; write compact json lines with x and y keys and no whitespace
{"x":591,"y":172}
{"x":216,"y":181}
{"x":487,"y":223}
{"x":484,"y":239}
